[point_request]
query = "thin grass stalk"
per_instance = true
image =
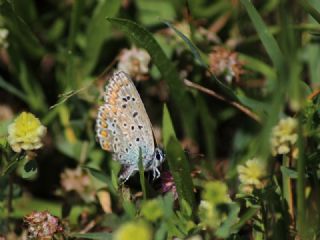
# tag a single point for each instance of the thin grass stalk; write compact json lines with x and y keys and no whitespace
{"x":301,"y":203}
{"x":287,"y":187}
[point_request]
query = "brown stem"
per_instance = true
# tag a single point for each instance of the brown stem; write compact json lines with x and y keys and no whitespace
{"x":10,"y":195}
{"x":237,"y":105}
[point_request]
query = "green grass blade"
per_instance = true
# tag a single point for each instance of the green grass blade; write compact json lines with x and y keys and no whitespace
{"x":310,"y":9}
{"x":142,"y":178}
{"x":76,"y":13}
{"x":197,"y":55}
{"x":20,"y":30}
{"x":98,"y":31}
{"x":266,"y":37}
{"x":178,"y":165}
{"x":143,"y":38}
{"x":95,"y":236}
{"x":11,"y":89}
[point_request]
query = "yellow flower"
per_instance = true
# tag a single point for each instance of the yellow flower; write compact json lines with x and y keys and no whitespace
{"x":216,"y":192}
{"x":133,"y":230}
{"x":152,"y":210}
{"x":26,"y":133}
{"x":284,"y":136}
{"x":251,"y":175}
{"x":209,"y":214}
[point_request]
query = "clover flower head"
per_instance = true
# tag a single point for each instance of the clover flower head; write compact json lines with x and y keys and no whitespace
{"x":210,"y":215}
{"x":135,"y":62}
{"x":137,"y":230}
{"x":284,"y":137}
{"x":26,"y":133}
{"x":168,"y":185}
{"x":216,"y":192}
{"x":42,"y":225}
{"x":251,"y":175}
{"x":225,"y":62}
{"x":4,"y":37}
{"x":152,"y":210}
{"x":79,"y":181}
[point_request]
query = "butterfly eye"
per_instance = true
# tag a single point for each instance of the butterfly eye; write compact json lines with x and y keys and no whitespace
{"x":158,"y":156}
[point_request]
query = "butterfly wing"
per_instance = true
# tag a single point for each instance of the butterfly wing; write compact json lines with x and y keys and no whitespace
{"x":123,"y":125}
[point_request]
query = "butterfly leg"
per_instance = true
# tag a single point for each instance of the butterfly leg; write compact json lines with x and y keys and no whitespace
{"x":155,"y":173}
{"x":126,"y":173}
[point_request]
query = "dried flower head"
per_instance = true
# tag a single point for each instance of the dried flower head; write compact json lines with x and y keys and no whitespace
{"x":4,"y":38}
{"x":251,"y":175}
{"x":284,"y":137}
{"x":134,"y":62}
{"x":133,"y":230}
{"x":225,"y":62}
{"x":42,"y":225}
{"x":79,"y":181}
{"x":26,"y":133}
{"x":168,"y":185}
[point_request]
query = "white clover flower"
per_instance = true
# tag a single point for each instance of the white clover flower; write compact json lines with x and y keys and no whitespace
{"x":284,"y":136}
{"x":135,"y":62}
{"x":26,"y":133}
{"x":4,"y":37}
{"x":251,"y":175}
{"x":79,"y":181}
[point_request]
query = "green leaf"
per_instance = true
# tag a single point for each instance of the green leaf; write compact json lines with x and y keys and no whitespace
{"x":226,"y":229}
{"x":150,"y":11}
{"x":98,"y":31}
{"x":178,"y":164}
{"x":266,"y":37}
{"x":141,"y":173}
{"x":72,"y":150}
{"x":289,"y":172}
{"x":143,"y":38}
{"x":30,"y":169}
{"x":310,"y":9}
{"x":95,"y":236}
{"x":12,"y":89}
{"x":97,"y":174}
{"x":193,"y":48}
{"x":20,"y":30}
{"x":226,"y":90}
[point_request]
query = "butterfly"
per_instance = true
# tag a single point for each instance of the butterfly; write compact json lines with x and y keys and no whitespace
{"x":123,"y":128}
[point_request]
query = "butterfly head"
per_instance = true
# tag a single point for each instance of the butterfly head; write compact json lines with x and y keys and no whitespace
{"x":158,"y":157}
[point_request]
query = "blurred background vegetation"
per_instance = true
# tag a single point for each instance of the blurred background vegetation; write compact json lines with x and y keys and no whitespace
{"x":55,"y":61}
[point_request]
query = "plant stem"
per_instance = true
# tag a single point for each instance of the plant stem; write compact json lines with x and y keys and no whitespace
{"x":301,"y":205}
{"x":237,"y":105}
{"x":287,"y":187}
{"x":10,"y":195}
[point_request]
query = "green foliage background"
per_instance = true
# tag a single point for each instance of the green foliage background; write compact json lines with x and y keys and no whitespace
{"x":59,"y":53}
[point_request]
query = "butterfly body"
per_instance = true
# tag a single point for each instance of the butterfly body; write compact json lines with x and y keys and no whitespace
{"x":123,"y":127}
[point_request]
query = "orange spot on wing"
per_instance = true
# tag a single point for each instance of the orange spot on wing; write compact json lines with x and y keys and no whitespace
{"x":106,"y":146}
{"x":104,"y":133}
